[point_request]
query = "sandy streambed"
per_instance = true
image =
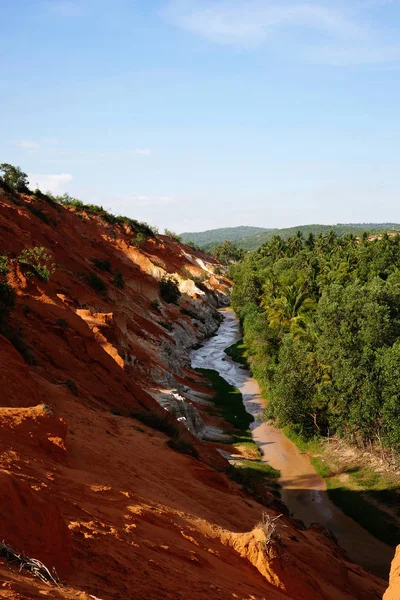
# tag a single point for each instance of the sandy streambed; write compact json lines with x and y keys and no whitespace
{"x":303,"y":490}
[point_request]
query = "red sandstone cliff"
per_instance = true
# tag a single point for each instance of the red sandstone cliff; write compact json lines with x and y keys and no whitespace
{"x":92,"y":491}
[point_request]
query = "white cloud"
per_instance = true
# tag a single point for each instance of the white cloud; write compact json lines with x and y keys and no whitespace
{"x":27,"y":144}
{"x":314,"y":30}
{"x":53,"y":182}
{"x":143,"y":151}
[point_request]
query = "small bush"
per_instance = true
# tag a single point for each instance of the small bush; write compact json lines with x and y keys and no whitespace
{"x":38,"y":213}
{"x":139,"y":240}
{"x":67,"y":200}
{"x":7,"y":300}
{"x":155,"y":305}
{"x":101,"y":264}
{"x":183,"y":447}
{"x":160,"y":423}
{"x":218,"y":270}
{"x":95,"y":282}
{"x":173,"y":235}
{"x":169,"y":290}
{"x":116,"y":412}
{"x":63,"y":323}
{"x":39,"y":260}
{"x":71,"y":385}
{"x":192,"y":245}
{"x":199,"y":283}
{"x":38,"y":195}
{"x":118,"y":280}
{"x":166,"y":325}
{"x":4,"y":270}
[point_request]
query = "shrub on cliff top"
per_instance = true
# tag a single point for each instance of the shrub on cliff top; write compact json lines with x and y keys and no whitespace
{"x":172,"y":235}
{"x":14,"y":178}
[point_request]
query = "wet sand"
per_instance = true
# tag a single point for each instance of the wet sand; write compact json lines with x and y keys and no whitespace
{"x":303,"y":490}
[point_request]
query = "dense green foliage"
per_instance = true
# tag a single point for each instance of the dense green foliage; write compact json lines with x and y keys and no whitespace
{"x":253,"y":242}
{"x":227,"y":253}
{"x":169,"y":290}
{"x":14,"y":178}
{"x":217,"y":236}
{"x":251,"y":238}
{"x":321,"y":318}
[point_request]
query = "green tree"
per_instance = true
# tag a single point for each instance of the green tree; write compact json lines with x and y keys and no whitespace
{"x":227,"y":253}
{"x":14,"y":177}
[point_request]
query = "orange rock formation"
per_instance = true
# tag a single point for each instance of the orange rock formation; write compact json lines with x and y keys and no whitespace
{"x":90,"y":490}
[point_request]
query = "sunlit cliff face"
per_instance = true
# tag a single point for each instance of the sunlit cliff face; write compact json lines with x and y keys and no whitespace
{"x":85,"y":486}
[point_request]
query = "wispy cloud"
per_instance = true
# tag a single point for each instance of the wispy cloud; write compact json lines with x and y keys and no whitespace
{"x":55,"y":183}
{"x":27,"y":144}
{"x":143,"y":151}
{"x":316,"y":30}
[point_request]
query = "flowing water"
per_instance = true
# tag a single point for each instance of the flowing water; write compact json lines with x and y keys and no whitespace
{"x":303,"y":490}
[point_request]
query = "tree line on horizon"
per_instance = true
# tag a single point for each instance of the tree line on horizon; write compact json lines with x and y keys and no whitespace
{"x":251,"y":238}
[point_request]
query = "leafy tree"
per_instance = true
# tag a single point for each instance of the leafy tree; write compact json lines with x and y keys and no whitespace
{"x":321,"y":321}
{"x":227,"y":253}
{"x":14,"y":178}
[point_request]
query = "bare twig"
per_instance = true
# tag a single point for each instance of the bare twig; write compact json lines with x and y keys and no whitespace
{"x":268,"y":526}
{"x":34,"y":566}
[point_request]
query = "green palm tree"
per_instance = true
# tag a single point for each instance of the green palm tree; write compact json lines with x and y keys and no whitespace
{"x":290,"y":308}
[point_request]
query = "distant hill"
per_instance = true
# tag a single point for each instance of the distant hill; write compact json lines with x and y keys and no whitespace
{"x":251,"y":238}
{"x":215,"y":236}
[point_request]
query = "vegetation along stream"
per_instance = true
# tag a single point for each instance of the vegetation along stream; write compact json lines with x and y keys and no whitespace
{"x":303,"y":490}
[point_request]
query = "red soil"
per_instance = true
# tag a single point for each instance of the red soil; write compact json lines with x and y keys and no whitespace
{"x":102,"y":497}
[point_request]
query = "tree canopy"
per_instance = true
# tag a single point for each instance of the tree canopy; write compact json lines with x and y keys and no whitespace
{"x":321,"y":321}
{"x":14,"y":177}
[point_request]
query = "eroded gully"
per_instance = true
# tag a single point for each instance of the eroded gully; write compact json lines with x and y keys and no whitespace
{"x":303,"y":490}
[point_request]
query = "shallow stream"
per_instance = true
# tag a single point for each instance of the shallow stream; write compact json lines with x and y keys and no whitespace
{"x":303,"y":490}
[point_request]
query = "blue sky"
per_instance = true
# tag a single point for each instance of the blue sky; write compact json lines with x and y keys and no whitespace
{"x":199,"y":114}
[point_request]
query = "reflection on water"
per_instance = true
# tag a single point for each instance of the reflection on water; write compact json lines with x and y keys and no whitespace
{"x":303,"y":490}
